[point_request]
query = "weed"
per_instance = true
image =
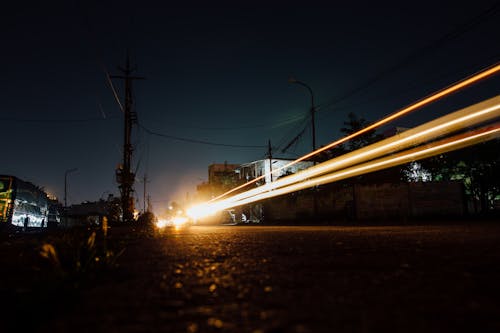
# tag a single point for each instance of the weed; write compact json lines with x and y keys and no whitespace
{"x":80,"y":254}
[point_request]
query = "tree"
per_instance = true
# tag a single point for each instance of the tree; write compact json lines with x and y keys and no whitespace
{"x":477,"y":167}
{"x":355,"y":124}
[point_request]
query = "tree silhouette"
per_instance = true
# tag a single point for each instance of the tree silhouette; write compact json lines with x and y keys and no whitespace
{"x":355,"y":124}
{"x":477,"y":167}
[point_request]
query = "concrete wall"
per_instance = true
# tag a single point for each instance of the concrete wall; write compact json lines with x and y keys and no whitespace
{"x":381,"y":201}
{"x":436,"y":198}
{"x":371,"y":202}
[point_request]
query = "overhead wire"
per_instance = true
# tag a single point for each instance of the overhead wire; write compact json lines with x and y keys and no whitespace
{"x":97,"y":54}
{"x":459,"y":30}
{"x":173,"y":137}
{"x":282,"y":123}
{"x":46,"y":120}
{"x":435,"y":44}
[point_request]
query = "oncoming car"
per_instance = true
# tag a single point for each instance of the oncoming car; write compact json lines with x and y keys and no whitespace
{"x":175,"y":217}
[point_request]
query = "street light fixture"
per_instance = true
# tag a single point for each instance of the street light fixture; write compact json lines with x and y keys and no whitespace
{"x":313,"y":109}
{"x":293,"y":80}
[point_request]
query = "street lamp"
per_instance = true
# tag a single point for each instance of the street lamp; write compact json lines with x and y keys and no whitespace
{"x":293,"y":80}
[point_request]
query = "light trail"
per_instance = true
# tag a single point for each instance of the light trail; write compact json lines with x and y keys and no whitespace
{"x":459,"y":120}
{"x":427,"y":100}
{"x":443,"y":146}
{"x":432,"y":149}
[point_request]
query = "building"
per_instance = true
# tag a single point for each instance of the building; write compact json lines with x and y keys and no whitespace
{"x":221,"y":178}
{"x":225,"y":177}
{"x":252,"y":170}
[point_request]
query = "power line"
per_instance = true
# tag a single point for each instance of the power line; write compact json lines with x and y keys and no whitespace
{"x":461,"y":29}
{"x":40,"y":120}
{"x":173,"y":137}
{"x":282,"y":123}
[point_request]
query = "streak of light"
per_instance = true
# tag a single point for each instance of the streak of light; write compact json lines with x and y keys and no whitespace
{"x":467,"y":117}
{"x":427,"y":100}
{"x":443,"y":146}
{"x":432,"y":149}
{"x":447,"y":124}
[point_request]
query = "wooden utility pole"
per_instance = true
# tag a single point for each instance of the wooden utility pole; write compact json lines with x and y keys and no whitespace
{"x":270,"y":155}
{"x":124,"y":175}
{"x":145,"y":180}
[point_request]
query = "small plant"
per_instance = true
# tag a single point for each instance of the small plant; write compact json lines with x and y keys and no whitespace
{"x":80,"y":255}
{"x":49,"y":252}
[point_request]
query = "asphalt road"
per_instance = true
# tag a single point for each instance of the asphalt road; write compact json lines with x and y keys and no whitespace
{"x":434,"y":278}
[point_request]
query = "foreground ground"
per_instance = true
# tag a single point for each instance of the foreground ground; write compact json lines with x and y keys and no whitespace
{"x":439,"y":278}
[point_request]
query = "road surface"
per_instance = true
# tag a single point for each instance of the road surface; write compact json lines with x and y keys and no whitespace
{"x":427,"y":278}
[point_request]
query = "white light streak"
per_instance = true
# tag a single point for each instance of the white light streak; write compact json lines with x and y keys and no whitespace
{"x":459,"y":120}
{"x":427,"y":100}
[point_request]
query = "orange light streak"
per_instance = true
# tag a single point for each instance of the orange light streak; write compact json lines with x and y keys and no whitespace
{"x":466,"y":117}
{"x":427,"y":100}
{"x":458,"y":120}
{"x":443,"y":146}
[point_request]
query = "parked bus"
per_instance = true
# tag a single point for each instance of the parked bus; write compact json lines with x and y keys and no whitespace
{"x":22,"y":204}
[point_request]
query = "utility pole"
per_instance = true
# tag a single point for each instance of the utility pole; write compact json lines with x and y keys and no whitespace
{"x":270,"y":155}
{"x":124,"y":175}
{"x":149,"y":204}
{"x":145,"y":180}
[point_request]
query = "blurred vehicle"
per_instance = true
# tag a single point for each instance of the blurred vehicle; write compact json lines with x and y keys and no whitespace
{"x":175,"y":216}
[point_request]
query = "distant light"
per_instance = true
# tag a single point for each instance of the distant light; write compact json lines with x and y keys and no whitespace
{"x":202,"y":210}
{"x":179,"y":221}
{"x":162,"y":223}
{"x":51,"y":196}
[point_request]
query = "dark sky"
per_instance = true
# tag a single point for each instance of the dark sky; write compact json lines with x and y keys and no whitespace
{"x":218,"y":72}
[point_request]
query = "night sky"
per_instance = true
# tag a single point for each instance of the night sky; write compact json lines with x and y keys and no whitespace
{"x":216,"y":81}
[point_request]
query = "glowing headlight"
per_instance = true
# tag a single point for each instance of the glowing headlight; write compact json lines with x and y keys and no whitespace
{"x":161,"y":223}
{"x":203,"y":210}
{"x":179,"y":220}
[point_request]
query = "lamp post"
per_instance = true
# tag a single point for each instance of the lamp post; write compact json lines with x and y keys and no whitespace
{"x":313,"y":109}
{"x":65,"y":194}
